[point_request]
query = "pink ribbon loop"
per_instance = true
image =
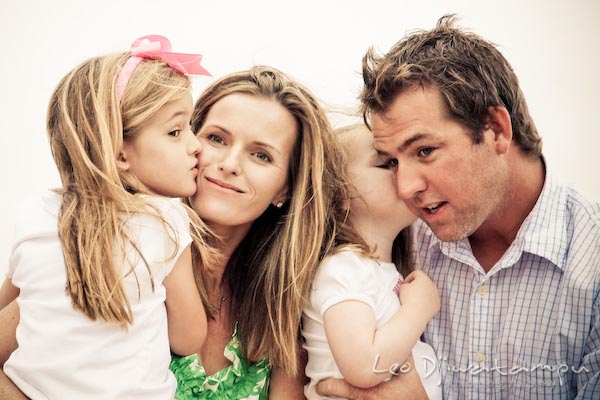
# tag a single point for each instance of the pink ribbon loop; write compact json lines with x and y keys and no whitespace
{"x":156,"y":47}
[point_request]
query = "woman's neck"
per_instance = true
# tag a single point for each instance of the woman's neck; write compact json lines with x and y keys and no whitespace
{"x":229,"y":238}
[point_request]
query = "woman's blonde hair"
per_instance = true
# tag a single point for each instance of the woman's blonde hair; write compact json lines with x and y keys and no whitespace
{"x":402,"y":246}
{"x":87,"y":126}
{"x":271,"y":271}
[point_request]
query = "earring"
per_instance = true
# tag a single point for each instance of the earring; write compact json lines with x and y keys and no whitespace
{"x":279,"y":205}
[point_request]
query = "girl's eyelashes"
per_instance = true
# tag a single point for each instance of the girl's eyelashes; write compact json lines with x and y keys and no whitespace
{"x":175,"y":133}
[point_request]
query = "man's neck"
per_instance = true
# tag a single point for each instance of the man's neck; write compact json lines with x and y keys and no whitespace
{"x":495,"y":235}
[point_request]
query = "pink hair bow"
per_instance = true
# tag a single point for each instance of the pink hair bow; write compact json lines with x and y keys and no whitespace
{"x":155,"y":47}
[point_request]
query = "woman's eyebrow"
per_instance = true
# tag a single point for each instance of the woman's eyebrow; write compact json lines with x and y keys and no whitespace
{"x":218,"y":126}
{"x":268,"y":146}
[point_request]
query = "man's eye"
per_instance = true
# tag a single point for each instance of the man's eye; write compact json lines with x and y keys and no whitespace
{"x":425,"y":151}
{"x":389,"y":164}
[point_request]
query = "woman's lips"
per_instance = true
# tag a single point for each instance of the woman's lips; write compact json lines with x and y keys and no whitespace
{"x":224,"y":185}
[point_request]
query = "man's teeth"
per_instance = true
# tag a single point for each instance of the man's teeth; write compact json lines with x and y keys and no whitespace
{"x":434,"y":207}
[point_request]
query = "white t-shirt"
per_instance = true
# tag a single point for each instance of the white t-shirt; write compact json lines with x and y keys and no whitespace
{"x":349,"y":276}
{"x":64,"y":355}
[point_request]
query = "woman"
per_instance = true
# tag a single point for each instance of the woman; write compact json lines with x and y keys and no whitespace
{"x":269,"y":188}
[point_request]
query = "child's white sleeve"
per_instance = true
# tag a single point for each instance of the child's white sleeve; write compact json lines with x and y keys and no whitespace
{"x":341,"y":277}
{"x":11,"y":265}
{"x":162,"y":244}
{"x":178,"y":231}
{"x":28,"y":223}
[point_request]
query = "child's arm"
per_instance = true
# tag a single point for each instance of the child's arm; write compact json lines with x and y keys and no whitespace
{"x":406,"y":385}
{"x":8,"y":390}
{"x":8,"y":293}
{"x":185,"y":312}
{"x":282,"y":386}
{"x":9,"y":319}
{"x":365,"y":354}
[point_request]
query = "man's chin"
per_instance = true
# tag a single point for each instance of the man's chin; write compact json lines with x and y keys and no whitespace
{"x":449,"y":233}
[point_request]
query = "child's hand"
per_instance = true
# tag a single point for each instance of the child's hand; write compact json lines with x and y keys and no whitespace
{"x":419,"y":291}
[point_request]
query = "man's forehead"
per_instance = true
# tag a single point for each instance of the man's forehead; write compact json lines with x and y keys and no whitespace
{"x":413,"y":106}
{"x":381,"y":126}
{"x":382,"y":147}
{"x":380,"y":153}
{"x":385,"y":128}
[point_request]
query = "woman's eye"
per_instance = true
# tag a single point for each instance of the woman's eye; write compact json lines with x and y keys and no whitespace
{"x":263,"y":156}
{"x":175,"y":133}
{"x":215,"y":139}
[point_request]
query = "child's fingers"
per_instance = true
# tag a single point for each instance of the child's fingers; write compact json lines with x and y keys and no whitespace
{"x":411,"y":277}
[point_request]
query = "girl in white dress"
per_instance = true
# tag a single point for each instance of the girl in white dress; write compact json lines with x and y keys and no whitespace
{"x":354,"y":326}
{"x":102,"y":267}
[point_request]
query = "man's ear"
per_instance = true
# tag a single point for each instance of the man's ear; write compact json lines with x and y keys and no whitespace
{"x":122,"y":162}
{"x":498,"y":121}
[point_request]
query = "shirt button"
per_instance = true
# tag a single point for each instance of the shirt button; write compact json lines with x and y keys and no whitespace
{"x":482,"y":290}
{"x":479,"y":357}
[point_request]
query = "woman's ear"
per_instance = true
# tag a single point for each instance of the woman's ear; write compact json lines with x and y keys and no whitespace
{"x":122,"y":162}
{"x":281,"y":197}
{"x":498,"y":121}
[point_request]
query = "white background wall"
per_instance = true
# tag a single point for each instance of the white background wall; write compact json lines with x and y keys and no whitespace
{"x":553,"y":46}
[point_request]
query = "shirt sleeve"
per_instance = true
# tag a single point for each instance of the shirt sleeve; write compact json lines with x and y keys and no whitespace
{"x":163,"y":241}
{"x":12,"y":264}
{"x":32,"y":220}
{"x":588,"y":377}
{"x":178,"y":230}
{"x":341,"y":277}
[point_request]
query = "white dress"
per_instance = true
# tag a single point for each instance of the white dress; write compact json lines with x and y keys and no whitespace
{"x":64,"y":355}
{"x":349,"y":276}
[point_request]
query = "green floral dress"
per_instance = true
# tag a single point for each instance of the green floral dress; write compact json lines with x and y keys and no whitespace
{"x":241,"y":380}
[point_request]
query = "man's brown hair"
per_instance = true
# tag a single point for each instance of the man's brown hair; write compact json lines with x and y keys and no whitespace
{"x":470,"y":73}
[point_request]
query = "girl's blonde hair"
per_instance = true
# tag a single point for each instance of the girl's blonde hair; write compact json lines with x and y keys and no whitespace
{"x":402,"y":246}
{"x":271,"y":272}
{"x":87,"y":126}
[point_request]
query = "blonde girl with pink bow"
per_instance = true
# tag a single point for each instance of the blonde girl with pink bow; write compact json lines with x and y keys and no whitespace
{"x":102,"y":267}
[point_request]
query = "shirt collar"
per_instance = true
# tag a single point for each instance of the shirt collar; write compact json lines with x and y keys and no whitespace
{"x":544,"y":231}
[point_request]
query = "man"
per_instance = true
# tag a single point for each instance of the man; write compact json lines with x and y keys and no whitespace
{"x":515,"y":255}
